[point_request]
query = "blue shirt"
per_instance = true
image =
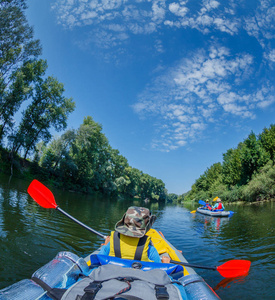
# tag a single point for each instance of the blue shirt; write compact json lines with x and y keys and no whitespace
{"x":152,"y":252}
{"x":216,"y":205}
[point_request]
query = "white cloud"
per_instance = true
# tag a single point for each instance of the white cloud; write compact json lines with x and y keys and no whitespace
{"x":208,"y":86}
{"x":143,"y":17}
{"x":261,"y":24}
{"x":179,"y":9}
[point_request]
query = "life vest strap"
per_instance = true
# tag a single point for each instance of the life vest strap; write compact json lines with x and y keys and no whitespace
{"x":117,"y":244}
{"x":140,"y":247}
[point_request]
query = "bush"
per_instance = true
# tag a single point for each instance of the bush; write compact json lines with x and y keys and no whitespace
{"x":262,"y":185}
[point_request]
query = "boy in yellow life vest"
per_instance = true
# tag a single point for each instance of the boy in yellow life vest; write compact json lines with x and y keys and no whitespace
{"x":129,"y":240}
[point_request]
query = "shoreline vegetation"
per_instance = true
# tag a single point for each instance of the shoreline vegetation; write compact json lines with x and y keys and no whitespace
{"x":237,"y":202}
{"x":246,"y":174}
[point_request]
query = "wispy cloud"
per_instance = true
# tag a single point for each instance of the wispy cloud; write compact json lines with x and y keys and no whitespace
{"x":113,"y":22}
{"x":211,"y":15}
{"x":208,"y":87}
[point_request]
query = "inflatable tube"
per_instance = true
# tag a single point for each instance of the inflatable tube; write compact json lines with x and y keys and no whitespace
{"x":216,"y":213}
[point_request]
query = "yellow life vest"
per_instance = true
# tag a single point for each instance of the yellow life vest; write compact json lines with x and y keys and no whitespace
{"x":127,"y":247}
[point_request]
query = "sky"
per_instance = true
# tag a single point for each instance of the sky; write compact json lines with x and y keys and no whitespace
{"x":174,"y":84}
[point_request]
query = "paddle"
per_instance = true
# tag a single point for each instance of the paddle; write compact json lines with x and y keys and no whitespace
{"x":45,"y":198}
{"x":202,"y":202}
{"x":230,"y":269}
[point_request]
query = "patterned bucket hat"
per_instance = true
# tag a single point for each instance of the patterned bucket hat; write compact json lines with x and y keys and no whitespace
{"x":135,"y":222}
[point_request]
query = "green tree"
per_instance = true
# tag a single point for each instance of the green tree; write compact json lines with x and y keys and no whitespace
{"x":89,"y":152}
{"x":267,"y":138}
{"x":253,"y":157}
{"x":17,"y":50}
{"x":232,"y":166}
{"x":134,"y":175}
{"x":48,"y":109}
{"x":57,"y":150}
{"x":205,"y":181}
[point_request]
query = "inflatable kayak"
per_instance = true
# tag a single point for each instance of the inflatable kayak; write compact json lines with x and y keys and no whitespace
{"x":218,"y":213}
{"x":96,"y":276}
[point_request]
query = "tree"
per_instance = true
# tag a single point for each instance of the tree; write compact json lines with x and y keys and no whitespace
{"x":49,"y":108}
{"x":58,"y":150}
{"x":267,"y":138}
{"x":17,"y":49}
{"x":253,"y":157}
{"x":17,"y":43}
{"x":20,"y":89}
{"x":232,"y":167}
{"x":134,"y":175}
{"x":89,"y":152}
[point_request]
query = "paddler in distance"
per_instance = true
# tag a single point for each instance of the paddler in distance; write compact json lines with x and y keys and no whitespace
{"x":218,"y":205}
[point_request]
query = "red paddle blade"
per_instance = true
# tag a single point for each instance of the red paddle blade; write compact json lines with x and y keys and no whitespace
{"x":234,"y":268}
{"x":41,"y":194}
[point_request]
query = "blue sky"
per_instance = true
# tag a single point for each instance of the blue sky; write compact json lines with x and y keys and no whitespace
{"x":174,"y":84}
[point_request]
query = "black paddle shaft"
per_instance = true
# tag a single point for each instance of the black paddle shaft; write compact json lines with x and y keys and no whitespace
{"x":192,"y":265}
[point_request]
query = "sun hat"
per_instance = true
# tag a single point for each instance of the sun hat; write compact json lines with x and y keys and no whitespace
{"x":135,"y":222}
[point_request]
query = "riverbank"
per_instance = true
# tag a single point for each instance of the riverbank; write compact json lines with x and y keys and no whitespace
{"x":125,"y":183}
{"x":194,"y":203}
{"x":250,"y":203}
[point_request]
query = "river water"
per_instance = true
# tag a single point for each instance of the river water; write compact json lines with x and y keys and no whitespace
{"x":30,"y":236}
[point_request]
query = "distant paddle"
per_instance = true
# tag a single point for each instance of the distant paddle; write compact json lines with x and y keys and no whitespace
{"x":45,"y":198}
{"x":193,"y":211}
{"x":230,"y":269}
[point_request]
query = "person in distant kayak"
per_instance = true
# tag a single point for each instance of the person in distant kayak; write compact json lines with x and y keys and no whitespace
{"x":208,"y":205}
{"x":129,"y":240}
{"x":218,"y":205}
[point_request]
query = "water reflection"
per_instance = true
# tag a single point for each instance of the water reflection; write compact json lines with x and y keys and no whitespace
{"x":208,"y":225}
{"x":228,"y":282}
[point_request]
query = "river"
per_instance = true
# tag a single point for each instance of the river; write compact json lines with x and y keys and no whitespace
{"x":31,"y":236}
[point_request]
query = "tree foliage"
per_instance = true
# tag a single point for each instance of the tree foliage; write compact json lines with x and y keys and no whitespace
{"x":23,"y":79}
{"x":84,"y":160}
{"x":267,"y":138}
{"x":234,"y":178}
{"x":18,"y":49}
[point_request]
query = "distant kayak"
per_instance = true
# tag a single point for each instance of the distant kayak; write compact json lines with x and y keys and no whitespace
{"x":219,"y":213}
